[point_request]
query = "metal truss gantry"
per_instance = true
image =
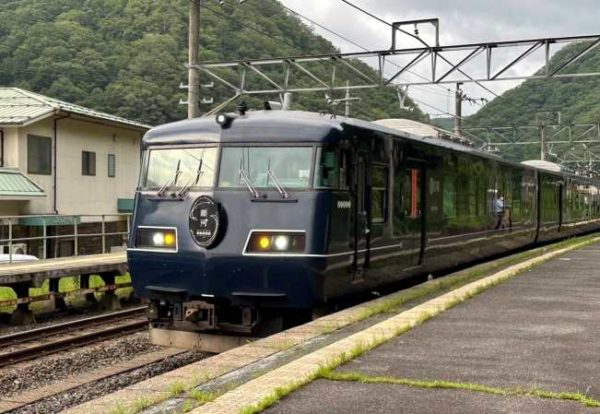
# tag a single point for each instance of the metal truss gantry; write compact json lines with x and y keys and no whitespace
{"x":576,"y":145}
{"x":445,"y":64}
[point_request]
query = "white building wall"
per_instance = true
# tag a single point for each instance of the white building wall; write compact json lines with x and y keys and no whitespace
{"x":41,"y":205}
{"x":76,"y":193}
{"x":11,"y":147}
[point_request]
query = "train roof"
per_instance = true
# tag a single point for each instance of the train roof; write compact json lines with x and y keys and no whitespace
{"x":279,"y":126}
{"x":293,"y":126}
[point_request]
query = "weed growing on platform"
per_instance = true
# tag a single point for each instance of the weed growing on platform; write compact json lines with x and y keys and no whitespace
{"x":467,"y":386}
{"x":203,"y":397}
{"x":177,"y":388}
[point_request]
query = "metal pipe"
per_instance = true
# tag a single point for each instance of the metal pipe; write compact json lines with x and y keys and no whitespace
{"x":103,"y":235}
{"x":54,"y":164}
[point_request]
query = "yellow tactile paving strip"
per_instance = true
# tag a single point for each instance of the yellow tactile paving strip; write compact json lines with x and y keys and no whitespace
{"x":28,"y":397}
{"x":156,"y":389}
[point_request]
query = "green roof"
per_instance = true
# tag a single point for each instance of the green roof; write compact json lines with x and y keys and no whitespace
{"x":19,"y":107}
{"x":14,"y":183}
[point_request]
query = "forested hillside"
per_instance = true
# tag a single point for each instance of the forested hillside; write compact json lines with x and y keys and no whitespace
{"x":128,"y":57}
{"x":578,"y":99}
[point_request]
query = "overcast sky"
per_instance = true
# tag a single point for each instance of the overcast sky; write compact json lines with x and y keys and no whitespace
{"x":461,"y":21}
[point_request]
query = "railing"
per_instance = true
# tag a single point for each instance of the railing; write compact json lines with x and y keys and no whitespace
{"x":62,"y":222}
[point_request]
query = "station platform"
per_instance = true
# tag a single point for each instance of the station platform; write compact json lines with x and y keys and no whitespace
{"x":36,"y":272}
{"x":529,"y":345}
{"x":516,"y":335}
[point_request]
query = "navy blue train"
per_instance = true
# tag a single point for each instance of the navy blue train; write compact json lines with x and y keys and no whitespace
{"x":243,"y":218}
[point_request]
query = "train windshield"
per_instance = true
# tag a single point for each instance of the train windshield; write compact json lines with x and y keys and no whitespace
{"x":265,"y":166}
{"x":178,"y":167}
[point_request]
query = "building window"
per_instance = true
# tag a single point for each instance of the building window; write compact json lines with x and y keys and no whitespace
{"x":39,"y":155}
{"x":88,"y":163}
{"x":111,"y":165}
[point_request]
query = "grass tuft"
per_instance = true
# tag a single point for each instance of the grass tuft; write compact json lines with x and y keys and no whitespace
{"x":440,"y":384}
{"x":203,"y":397}
{"x":177,"y":388}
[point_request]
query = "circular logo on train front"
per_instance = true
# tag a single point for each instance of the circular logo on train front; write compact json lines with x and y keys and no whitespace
{"x":204,"y":221}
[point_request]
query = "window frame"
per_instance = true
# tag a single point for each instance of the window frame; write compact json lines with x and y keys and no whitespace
{"x":310,"y":184}
{"x":385,"y":190}
{"x":112,"y":173}
{"x":147,"y":155}
{"x":91,"y":160}
{"x":39,"y":171}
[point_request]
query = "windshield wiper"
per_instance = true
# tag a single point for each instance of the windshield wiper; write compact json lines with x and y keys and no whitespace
{"x":186,"y":188}
{"x":171,"y":182}
{"x":278,"y":186}
{"x":249,"y":185}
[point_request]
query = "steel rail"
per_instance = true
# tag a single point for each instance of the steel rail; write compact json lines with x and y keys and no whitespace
{"x":38,"y":333}
{"x":69,"y":342}
{"x":33,"y":352}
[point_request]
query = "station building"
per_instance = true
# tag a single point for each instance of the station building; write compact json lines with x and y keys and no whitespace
{"x":59,"y":159}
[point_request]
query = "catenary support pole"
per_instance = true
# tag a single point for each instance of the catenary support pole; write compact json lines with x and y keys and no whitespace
{"x":193,"y":72}
{"x":458,"y":97}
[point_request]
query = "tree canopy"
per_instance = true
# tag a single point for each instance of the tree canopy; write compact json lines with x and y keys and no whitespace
{"x":127,"y":57}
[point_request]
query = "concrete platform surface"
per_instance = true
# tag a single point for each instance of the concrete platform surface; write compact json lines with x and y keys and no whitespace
{"x":538,"y":330}
{"x":325,"y":396}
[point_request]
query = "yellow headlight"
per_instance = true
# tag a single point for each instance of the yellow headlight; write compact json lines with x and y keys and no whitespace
{"x":264,"y":242}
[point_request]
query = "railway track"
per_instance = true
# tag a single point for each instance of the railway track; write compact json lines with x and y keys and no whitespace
{"x":31,"y":344}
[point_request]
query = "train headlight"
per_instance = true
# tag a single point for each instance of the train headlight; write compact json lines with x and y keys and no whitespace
{"x":282,"y":242}
{"x":156,"y":238}
{"x":276,"y":242}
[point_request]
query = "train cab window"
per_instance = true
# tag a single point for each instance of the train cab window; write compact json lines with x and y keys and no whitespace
{"x":379,"y":193}
{"x":180,"y":167}
{"x":329,"y":172}
{"x":290,"y":167}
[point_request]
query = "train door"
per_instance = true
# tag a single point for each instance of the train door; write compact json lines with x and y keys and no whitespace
{"x":362,"y":215}
{"x":560,"y":204}
{"x":413,"y":205}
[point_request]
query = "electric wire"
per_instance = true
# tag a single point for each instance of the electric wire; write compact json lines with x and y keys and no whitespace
{"x":446,"y":90}
{"x":296,"y":48}
{"x":415,"y":37}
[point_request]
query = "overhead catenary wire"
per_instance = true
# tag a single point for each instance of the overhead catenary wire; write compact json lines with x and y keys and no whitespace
{"x":362,"y":47}
{"x":446,"y":90}
{"x":379,"y":19}
{"x":217,"y":12}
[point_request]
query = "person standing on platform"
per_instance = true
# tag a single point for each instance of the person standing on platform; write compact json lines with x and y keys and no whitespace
{"x":499,"y":210}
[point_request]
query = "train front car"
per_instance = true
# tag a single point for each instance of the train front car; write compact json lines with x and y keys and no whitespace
{"x":227,"y":234}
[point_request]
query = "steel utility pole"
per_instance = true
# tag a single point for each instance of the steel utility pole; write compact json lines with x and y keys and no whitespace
{"x":347,"y":106}
{"x":193,"y":71}
{"x":458,"y":98}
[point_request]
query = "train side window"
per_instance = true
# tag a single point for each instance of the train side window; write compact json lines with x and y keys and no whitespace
{"x":379,"y":193}
{"x":331,"y":170}
{"x":449,"y":196}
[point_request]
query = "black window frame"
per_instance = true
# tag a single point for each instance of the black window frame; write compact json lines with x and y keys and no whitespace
{"x":384,"y":190}
{"x":112,"y":172}
{"x":89,"y":169}
{"x":47,"y":170}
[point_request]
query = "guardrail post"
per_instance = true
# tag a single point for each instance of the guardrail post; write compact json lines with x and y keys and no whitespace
{"x":76,"y":236}
{"x":45,"y":241}
{"x":10,"y":237}
{"x":103,"y":235}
